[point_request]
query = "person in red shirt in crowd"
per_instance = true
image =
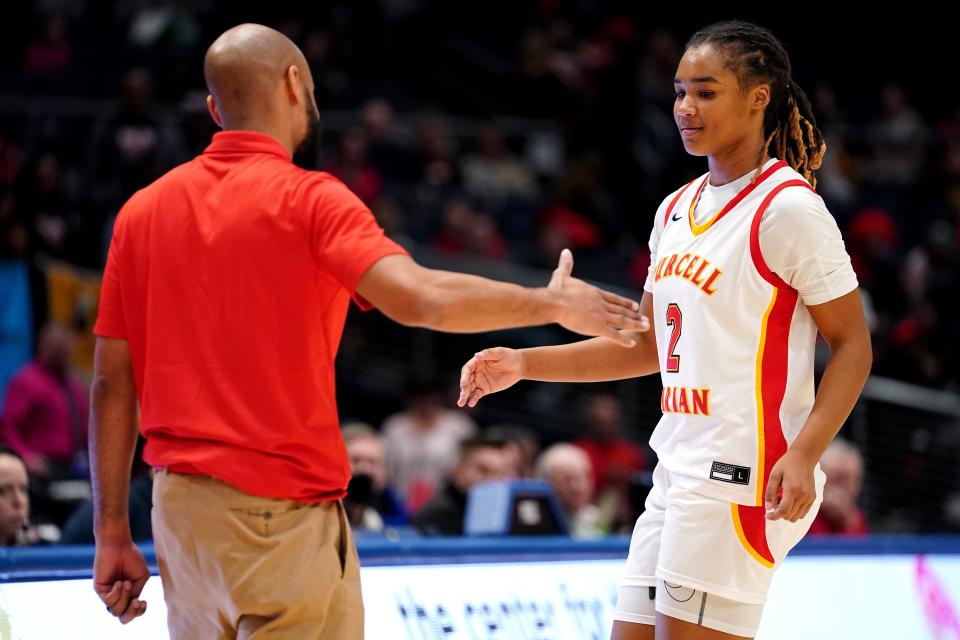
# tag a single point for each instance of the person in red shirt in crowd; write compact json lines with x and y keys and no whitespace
{"x":224,"y":297}
{"x":44,"y":414}
{"x":614,"y":458}
{"x":839,"y":514}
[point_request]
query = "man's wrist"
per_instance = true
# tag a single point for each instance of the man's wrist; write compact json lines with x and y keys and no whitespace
{"x":112,"y":530}
{"x":553,"y":303}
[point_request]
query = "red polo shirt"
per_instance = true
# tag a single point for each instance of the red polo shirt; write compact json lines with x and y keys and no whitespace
{"x":230,"y":278}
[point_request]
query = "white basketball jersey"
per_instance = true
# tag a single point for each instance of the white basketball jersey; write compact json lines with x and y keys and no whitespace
{"x":735,"y":342}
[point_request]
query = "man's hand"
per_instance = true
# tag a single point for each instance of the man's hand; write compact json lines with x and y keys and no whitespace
{"x":590,"y":311}
{"x":119,"y":573}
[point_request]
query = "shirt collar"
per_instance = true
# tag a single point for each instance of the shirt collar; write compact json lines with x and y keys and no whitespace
{"x":245,"y":142}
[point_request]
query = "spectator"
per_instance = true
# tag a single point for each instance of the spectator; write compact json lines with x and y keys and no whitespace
{"x":14,"y":499}
{"x":468,"y":231}
{"x":520,"y":445}
{"x":567,"y":468}
{"x":354,"y":169}
{"x":900,"y":137}
{"x":481,"y":460}
{"x":45,"y":204}
{"x":839,"y":514}
{"x":493,"y":174}
{"x":421,"y":444}
{"x":391,"y":160}
{"x":135,"y":145}
{"x":370,"y":502}
{"x":613,"y":458}
{"x":434,"y":174}
{"x":50,"y":51}
{"x":78,"y":526}
{"x":44,"y":414}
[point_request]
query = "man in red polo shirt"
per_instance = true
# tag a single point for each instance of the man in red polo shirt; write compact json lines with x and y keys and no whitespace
{"x":224,"y":297}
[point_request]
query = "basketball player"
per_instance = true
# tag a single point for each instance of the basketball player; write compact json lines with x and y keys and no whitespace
{"x":746,"y":265}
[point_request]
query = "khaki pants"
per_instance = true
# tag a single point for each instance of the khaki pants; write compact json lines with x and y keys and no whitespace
{"x":240,"y":566}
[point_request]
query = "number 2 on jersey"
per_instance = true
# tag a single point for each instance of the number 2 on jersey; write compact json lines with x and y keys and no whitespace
{"x":675,"y":322}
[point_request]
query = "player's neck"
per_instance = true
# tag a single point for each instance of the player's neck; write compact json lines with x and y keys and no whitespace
{"x":736,"y":162}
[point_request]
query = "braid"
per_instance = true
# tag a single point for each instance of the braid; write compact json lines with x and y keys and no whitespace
{"x":756,"y":56}
{"x":806,"y":148}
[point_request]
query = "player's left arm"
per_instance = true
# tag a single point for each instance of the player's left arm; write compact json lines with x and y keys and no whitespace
{"x":842,"y":323}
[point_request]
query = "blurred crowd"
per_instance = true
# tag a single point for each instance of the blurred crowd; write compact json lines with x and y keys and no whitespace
{"x":496,"y":135}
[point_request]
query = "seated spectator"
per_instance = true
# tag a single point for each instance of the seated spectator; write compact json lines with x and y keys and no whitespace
{"x":481,"y":460}
{"x":839,"y":514}
{"x":44,"y":413}
{"x":78,"y":525}
{"x":467,"y":231}
{"x":493,"y":174}
{"x":421,"y":444}
{"x":78,"y":529}
{"x":614,"y":459}
{"x":14,"y":499}
{"x":390,"y":158}
{"x":567,"y":469}
{"x":50,"y":52}
{"x":370,"y":502}
{"x":521,"y":446}
{"x":133,"y":146}
{"x":354,"y":169}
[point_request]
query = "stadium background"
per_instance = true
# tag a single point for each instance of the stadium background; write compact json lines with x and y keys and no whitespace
{"x":98,"y":98}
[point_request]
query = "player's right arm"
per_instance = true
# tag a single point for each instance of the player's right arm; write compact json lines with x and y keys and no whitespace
{"x":595,"y":360}
{"x":446,"y":301}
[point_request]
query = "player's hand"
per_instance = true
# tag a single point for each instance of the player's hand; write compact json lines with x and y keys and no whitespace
{"x":791,"y":490}
{"x":119,"y":573}
{"x":487,"y":372}
{"x":590,"y":311}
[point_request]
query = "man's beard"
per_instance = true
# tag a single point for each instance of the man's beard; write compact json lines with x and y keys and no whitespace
{"x":305,"y":155}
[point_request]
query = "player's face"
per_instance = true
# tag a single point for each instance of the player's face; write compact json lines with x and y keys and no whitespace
{"x":710,"y":108}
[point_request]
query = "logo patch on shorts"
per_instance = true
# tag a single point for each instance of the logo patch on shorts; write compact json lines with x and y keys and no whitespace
{"x":730,"y":473}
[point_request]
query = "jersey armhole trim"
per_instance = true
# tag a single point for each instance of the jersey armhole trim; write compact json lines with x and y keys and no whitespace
{"x":761,"y":265}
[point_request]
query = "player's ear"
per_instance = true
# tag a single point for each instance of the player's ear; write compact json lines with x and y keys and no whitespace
{"x":760,"y":97}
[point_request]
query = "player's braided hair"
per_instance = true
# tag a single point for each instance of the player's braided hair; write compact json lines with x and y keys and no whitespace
{"x":756,"y":56}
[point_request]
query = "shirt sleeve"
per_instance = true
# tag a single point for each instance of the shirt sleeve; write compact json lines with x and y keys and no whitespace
{"x":344,"y":236}
{"x":654,"y":241}
{"x":110,"y":320}
{"x":801,"y":243}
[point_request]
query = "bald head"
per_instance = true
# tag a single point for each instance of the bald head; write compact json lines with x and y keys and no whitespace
{"x":259,"y":80}
{"x":568,"y":470}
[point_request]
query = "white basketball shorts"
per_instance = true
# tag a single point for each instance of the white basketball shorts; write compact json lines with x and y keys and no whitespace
{"x":703,"y":560}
